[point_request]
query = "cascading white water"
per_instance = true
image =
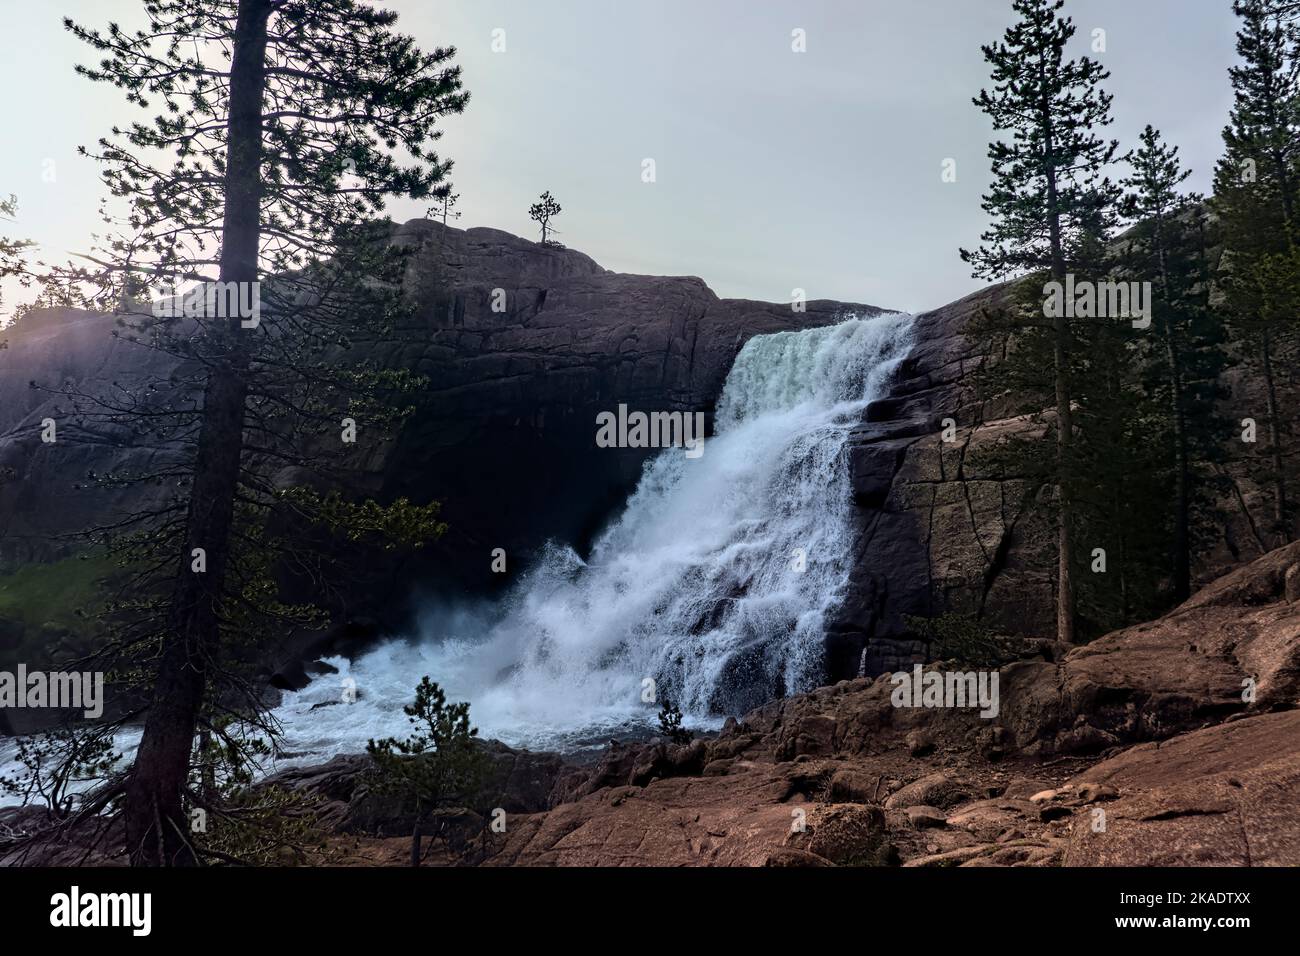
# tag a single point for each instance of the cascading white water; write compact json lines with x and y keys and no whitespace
{"x":714,"y":582}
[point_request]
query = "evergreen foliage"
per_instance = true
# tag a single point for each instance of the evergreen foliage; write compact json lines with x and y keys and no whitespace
{"x":670,"y":724}
{"x":279,"y":129}
{"x":1257,"y":188}
{"x":542,"y":212}
{"x":1051,"y":204}
{"x":437,"y":765}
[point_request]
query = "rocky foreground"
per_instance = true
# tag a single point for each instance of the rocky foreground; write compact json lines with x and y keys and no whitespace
{"x":1171,"y":743}
{"x":1142,"y":748}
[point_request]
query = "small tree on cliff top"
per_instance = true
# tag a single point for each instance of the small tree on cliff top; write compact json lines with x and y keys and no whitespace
{"x":543,"y":212}
{"x":444,"y":208}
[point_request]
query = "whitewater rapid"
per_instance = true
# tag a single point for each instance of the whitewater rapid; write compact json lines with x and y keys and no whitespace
{"x":714,"y":583}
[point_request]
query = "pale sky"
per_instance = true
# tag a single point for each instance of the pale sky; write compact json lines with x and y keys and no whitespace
{"x":775,"y":170}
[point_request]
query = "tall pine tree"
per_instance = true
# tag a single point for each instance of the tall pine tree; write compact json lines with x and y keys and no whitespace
{"x":1257,"y":198}
{"x":1049,"y":194}
{"x":1167,"y":245}
{"x":284,"y":126}
{"x":1118,"y":484}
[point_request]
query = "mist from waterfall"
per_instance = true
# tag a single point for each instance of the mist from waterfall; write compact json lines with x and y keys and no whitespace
{"x":714,"y":582}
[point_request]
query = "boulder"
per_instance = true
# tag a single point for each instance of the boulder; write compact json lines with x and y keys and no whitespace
{"x":845,"y":834}
{"x":933,"y":790}
{"x":923,"y":818}
{"x":1227,"y":795}
{"x":516,"y":781}
{"x":853,"y":786}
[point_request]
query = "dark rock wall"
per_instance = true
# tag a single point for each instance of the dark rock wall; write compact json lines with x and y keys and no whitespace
{"x":507,"y":437}
{"x":938,"y":533}
{"x":935,"y":534}
{"x":523,"y":346}
{"x":504,"y":437}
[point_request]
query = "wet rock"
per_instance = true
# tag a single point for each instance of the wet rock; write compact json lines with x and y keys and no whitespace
{"x":517,"y":781}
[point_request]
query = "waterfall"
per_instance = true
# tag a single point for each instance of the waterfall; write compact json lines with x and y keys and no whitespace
{"x":714,"y":582}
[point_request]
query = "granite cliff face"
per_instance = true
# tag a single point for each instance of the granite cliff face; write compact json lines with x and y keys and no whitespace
{"x":935,"y":533}
{"x":941,"y":530}
{"x":505,"y":434}
{"x":523,"y":345}
{"x":507,"y":437}
{"x":44,"y":495}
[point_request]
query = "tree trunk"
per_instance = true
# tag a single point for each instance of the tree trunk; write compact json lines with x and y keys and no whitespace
{"x":1182,"y":485}
{"x":1182,"y":477}
{"x":1284,"y":184}
{"x":1275,"y":440}
{"x":415,"y":836}
{"x":156,"y":826}
{"x":1064,"y":417}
